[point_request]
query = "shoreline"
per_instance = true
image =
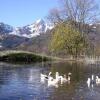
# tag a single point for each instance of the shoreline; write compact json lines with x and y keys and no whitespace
{"x":30,"y":57}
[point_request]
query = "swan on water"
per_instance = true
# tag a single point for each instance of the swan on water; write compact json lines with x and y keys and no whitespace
{"x":55,"y":81}
{"x":88,"y":82}
{"x":57,"y":76}
{"x":63,"y":79}
{"x":97,"y":80}
{"x":49,"y":74}
{"x":91,"y":81}
{"x":92,"y":78}
{"x":69,"y":73}
{"x":43,"y":77}
{"x":52,"y":82}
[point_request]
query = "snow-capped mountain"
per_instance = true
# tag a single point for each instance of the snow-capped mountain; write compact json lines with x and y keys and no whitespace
{"x":5,"y":29}
{"x":36,"y":36}
{"x":32,"y":30}
{"x":11,"y":37}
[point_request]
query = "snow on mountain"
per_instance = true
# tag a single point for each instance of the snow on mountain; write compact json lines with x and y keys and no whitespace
{"x":37,"y":27}
{"x":12,"y":37}
{"x":4,"y":28}
{"x":40,"y":26}
{"x":33,"y":30}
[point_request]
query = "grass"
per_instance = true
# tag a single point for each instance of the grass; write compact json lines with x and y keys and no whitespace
{"x":14,"y":56}
{"x":23,"y":57}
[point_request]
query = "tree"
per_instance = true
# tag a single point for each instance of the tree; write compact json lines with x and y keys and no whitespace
{"x":55,"y":16}
{"x":81,"y":11}
{"x":72,"y":25}
{"x":66,"y":38}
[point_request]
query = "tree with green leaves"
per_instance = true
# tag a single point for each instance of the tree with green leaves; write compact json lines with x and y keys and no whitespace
{"x":65,"y":37}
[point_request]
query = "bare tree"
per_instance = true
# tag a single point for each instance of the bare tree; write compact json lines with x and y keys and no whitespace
{"x":81,"y":11}
{"x":55,"y":16}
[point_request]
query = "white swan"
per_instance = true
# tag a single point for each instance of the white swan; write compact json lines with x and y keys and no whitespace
{"x":88,"y":82}
{"x":57,"y":76}
{"x":43,"y":77}
{"x":69,"y":73}
{"x":63,"y":79}
{"x":52,"y":82}
{"x":92,"y":78}
{"x":69,"y":78}
{"x":97,"y":80}
{"x":49,"y":73}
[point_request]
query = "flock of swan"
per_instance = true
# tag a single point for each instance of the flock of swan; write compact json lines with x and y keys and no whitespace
{"x":93,"y":80}
{"x":54,"y":81}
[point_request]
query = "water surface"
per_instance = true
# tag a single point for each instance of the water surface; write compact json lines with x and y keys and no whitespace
{"x":22,"y":82}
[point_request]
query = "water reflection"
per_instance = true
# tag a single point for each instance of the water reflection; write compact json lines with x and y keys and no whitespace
{"x":22,"y":82}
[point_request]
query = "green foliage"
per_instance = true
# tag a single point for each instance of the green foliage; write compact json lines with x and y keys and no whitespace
{"x":66,"y":37}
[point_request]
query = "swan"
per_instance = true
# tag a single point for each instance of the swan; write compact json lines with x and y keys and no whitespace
{"x":69,"y":73}
{"x":88,"y":82}
{"x":63,"y":79}
{"x":43,"y":77}
{"x":68,"y":78}
{"x":92,"y":79}
{"x":52,"y":82}
{"x":57,"y":76}
{"x":49,"y":74}
{"x":97,"y":80}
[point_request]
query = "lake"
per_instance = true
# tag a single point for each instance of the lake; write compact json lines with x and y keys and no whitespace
{"x":22,"y":82}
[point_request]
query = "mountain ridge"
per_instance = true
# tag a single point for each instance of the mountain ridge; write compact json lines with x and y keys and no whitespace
{"x":28,"y":31}
{"x":36,"y":36}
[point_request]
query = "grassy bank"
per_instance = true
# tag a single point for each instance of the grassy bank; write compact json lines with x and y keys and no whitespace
{"x":23,"y":57}
{"x":14,"y":56}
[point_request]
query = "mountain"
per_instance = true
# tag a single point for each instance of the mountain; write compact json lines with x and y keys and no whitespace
{"x":11,"y":41}
{"x":12,"y":37}
{"x":28,"y":31}
{"x":5,"y":29}
{"x":39,"y":44}
{"x":32,"y":30}
{"x":36,"y":36}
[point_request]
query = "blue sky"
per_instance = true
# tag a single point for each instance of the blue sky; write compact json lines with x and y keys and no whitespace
{"x":23,"y":12}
